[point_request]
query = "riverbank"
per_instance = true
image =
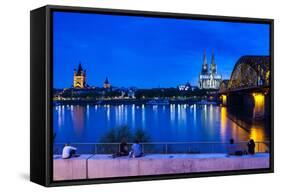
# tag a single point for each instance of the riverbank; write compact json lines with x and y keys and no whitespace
{"x":89,"y":166}
{"x":129,"y":102}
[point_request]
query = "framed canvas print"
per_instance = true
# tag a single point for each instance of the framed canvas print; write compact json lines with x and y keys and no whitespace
{"x":123,"y":95}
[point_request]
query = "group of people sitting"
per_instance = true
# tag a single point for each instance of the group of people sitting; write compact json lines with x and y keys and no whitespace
{"x":136,"y":149}
{"x":135,"y":152}
{"x":235,"y":149}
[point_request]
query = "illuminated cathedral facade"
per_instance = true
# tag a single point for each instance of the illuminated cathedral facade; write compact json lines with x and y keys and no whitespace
{"x":79,"y":77}
{"x":209,"y":78}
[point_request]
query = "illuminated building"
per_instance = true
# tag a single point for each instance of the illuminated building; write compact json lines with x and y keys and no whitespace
{"x":209,"y":79}
{"x":79,"y":78}
{"x":106,"y":84}
{"x":184,"y":87}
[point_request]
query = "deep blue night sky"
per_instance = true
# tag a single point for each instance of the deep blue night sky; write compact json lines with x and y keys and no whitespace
{"x":148,"y":52}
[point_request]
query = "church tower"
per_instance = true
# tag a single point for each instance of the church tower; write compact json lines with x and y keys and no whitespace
{"x":106,"y":84}
{"x":213,"y":67}
{"x":204,"y":70}
{"x":79,"y":78}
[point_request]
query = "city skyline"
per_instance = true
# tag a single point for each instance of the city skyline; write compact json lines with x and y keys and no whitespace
{"x":148,"y":52}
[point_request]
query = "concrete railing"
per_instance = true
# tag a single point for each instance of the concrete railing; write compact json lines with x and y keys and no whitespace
{"x":102,"y":166}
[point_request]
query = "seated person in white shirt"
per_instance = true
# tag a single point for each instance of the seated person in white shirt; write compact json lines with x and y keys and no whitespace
{"x":68,"y":151}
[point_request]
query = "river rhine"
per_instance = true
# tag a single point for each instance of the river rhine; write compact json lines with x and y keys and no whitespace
{"x":163,"y":123}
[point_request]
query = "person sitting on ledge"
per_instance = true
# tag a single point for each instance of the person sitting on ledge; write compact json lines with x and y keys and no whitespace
{"x":68,"y":151}
{"x":136,"y":150}
{"x":231,"y":148}
{"x":123,"y":149}
{"x":251,"y":147}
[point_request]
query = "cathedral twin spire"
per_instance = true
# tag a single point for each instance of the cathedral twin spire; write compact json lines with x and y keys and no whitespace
{"x":209,"y":78}
{"x":213,"y":67}
{"x":204,"y":70}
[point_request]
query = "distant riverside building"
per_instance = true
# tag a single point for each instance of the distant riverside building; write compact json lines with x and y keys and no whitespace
{"x":209,"y":79}
{"x":79,"y":78}
{"x":184,"y":87}
{"x":187,"y":87}
{"x":106,"y":84}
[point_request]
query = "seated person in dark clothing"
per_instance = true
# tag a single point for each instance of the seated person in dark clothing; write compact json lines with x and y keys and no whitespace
{"x":123,"y":149}
{"x":251,"y":147}
{"x":231,"y":148}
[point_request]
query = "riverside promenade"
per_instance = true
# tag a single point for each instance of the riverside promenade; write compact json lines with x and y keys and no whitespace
{"x":89,"y":166}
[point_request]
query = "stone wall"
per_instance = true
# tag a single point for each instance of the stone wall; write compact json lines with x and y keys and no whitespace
{"x":69,"y":169}
{"x":101,"y":166}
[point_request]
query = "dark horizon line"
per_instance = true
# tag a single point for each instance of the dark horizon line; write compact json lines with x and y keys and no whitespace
{"x":159,"y":87}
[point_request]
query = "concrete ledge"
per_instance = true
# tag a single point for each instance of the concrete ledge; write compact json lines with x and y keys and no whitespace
{"x":69,"y":169}
{"x":101,"y":166}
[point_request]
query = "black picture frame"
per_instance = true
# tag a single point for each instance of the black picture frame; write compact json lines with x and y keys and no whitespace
{"x":41,"y":154}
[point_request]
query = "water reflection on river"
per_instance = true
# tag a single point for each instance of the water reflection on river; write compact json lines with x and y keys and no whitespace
{"x":168,"y":123}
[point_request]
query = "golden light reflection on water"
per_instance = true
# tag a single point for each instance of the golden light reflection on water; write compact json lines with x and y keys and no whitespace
{"x":257,"y":133}
{"x":240,"y":129}
{"x":223,"y":121}
{"x":224,"y":100}
{"x":259,"y":105}
{"x":78,"y":118}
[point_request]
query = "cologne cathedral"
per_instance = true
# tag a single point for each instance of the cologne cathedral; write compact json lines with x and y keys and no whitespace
{"x":209,"y":78}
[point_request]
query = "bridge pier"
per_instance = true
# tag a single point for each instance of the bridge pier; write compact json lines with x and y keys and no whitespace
{"x":240,"y":104}
{"x":253,"y":106}
{"x":224,"y":99}
{"x":259,"y":100}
